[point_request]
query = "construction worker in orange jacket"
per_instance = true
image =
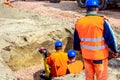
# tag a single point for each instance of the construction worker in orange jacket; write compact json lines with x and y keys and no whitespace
{"x":58,"y":61}
{"x":93,"y":35}
{"x":74,"y":66}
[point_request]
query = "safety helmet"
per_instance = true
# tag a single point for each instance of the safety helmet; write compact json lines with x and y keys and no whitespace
{"x":58,"y":44}
{"x":71,"y":53}
{"x":43,"y":50}
{"x":92,"y":3}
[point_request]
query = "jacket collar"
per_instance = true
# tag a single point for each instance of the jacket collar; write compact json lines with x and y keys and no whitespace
{"x":91,"y":14}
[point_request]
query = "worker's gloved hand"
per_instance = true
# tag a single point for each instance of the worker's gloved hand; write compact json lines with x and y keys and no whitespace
{"x":115,"y":55}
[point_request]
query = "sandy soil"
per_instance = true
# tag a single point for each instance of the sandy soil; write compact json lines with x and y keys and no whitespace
{"x":67,"y":11}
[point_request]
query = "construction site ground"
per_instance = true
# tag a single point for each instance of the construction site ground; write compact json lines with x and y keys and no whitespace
{"x":68,"y":11}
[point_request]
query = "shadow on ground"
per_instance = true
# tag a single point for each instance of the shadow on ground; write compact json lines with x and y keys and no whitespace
{"x":36,"y":75}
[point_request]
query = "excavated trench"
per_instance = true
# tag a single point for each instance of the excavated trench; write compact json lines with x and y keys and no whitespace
{"x":27,"y":56}
{"x":22,"y":33}
{"x":20,"y":57}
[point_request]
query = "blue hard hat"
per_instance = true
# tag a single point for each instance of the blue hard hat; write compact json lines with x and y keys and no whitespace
{"x":71,"y":53}
{"x":58,"y":44}
{"x":93,"y":3}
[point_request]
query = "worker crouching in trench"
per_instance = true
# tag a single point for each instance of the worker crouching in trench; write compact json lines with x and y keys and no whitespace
{"x":60,"y":63}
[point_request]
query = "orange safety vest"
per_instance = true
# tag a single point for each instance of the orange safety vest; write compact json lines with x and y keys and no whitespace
{"x":90,"y":30}
{"x":75,"y":67}
{"x":58,"y":63}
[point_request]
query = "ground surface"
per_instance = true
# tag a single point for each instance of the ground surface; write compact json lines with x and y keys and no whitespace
{"x":67,"y":11}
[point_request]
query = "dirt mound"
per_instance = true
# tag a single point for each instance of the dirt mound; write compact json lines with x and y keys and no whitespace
{"x":21,"y":33}
{"x":11,"y":13}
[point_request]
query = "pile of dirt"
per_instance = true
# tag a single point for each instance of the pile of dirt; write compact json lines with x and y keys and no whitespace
{"x":21,"y":34}
{"x":12,"y":13}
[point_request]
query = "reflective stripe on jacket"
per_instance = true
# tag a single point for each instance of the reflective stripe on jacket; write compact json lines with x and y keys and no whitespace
{"x":90,"y":31}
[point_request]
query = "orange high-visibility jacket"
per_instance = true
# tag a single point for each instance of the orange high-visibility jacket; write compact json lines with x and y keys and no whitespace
{"x":90,"y":30}
{"x":75,"y":67}
{"x":58,"y":63}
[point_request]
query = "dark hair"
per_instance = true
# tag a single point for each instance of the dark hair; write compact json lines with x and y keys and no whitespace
{"x":91,"y":8}
{"x":71,"y":57}
{"x":58,"y":48}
